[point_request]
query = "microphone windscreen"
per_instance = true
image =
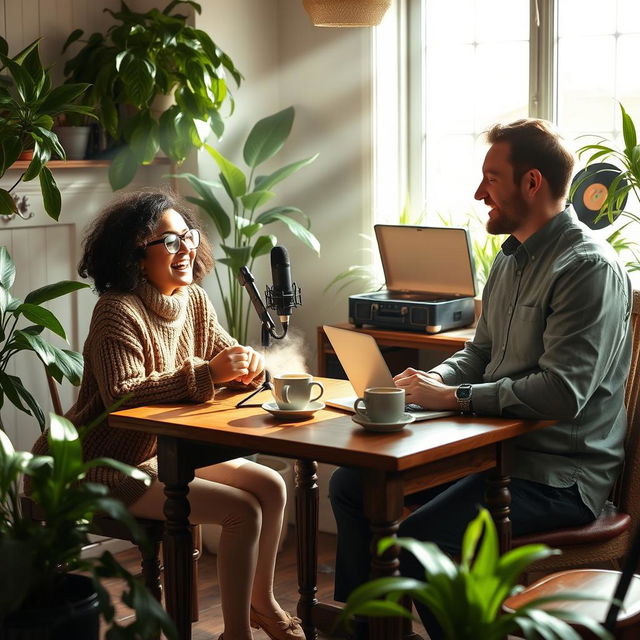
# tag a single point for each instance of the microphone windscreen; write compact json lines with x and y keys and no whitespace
{"x":279,"y":256}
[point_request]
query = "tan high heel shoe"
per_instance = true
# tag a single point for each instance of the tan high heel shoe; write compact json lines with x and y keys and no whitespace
{"x":278,"y":628}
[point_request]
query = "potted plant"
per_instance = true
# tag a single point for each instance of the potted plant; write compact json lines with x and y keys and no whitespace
{"x":241,"y":225}
{"x":466,"y":597}
{"x":142,"y":58}
{"x":60,"y":363}
{"x":42,"y":595}
{"x":28,"y":106}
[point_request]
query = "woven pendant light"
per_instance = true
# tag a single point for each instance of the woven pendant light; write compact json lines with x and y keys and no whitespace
{"x":346,"y":13}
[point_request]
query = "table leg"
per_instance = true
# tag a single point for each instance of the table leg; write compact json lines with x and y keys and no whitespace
{"x":176,"y":473}
{"x":383,"y":502}
{"x":307,"y":540}
{"x":498,"y":499}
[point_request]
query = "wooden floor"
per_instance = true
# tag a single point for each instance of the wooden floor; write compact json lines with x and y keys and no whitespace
{"x":286,"y":586}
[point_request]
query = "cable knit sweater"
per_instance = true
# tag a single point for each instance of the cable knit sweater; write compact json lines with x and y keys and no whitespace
{"x":156,"y":348}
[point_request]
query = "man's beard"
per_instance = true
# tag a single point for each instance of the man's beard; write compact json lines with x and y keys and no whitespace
{"x":507,"y":223}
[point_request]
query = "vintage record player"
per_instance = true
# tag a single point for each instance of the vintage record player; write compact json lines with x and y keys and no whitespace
{"x":430,"y":281}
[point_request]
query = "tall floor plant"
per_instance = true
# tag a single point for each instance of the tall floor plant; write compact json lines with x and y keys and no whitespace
{"x":240,"y":224}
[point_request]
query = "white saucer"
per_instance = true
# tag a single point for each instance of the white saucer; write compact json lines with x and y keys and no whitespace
{"x":398,"y":425}
{"x":293,"y":414}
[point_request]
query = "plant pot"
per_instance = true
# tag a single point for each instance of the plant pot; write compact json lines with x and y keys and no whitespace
{"x":27,"y":155}
{"x":74,"y":141}
{"x":77,"y":617}
{"x":211,"y":532}
{"x":346,"y":13}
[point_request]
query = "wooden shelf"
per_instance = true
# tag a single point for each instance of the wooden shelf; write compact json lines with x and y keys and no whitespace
{"x":76,"y":164}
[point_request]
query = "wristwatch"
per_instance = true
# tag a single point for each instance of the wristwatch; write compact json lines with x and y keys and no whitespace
{"x":463,"y":396}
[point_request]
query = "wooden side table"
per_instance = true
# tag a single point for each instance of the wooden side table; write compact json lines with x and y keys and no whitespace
{"x":447,"y":341}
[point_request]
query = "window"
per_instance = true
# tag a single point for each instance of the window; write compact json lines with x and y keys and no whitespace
{"x":472,"y":63}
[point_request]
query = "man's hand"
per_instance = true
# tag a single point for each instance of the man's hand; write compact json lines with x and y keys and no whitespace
{"x":238,"y":363}
{"x":426,"y":389}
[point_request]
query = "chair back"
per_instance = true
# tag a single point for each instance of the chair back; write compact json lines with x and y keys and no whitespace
{"x":627,"y":490}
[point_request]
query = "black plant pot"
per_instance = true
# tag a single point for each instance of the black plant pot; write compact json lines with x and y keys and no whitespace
{"x":78,"y":618}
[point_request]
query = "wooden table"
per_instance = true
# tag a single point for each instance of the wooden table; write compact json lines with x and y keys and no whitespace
{"x":447,"y":341}
{"x":422,"y":455}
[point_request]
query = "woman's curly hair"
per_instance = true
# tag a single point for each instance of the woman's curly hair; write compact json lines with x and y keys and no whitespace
{"x":112,"y":245}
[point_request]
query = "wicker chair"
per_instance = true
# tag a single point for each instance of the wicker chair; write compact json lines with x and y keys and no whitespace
{"x":607,"y":539}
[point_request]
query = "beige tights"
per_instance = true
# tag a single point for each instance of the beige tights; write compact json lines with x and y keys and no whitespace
{"x":248,"y":500}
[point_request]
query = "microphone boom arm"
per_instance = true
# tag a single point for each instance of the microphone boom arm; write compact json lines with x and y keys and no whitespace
{"x":268,"y":326}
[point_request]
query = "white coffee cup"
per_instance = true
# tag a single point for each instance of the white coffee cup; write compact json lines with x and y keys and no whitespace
{"x":381,"y":404}
{"x":292,"y":391}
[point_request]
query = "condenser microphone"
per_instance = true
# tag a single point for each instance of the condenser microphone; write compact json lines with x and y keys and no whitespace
{"x":284,"y":295}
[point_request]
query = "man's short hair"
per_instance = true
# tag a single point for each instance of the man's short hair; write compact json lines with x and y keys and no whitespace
{"x":535,"y":144}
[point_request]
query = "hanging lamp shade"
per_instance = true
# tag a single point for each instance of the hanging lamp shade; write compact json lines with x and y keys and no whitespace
{"x":346,"y":13}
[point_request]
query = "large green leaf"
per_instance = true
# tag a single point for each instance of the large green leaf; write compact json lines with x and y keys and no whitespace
{"x":11,"y":147}
{"x":266,"y":182}
{"x":144,"y":142}
{"x":267,"y":137}
{"x":30,"y":401}
{"x":7,"y":204}
{"x":61,"y":96}
{"x":257,"y":199}
{"x":50,"y":193}
{"x":235,"y":178}
{"x":66,"y":449}
{"x":281,"y":214}
{"x":263,"y":245}
{"x":41,"y":316}
{"x":138,"y":76}
{"x":9,"y":389}
{"x":52,"y":291}
{"x":122,"y":169}
{"x":217,"y":214}
{"x":7,"y":269}
{"x":628,"y":130}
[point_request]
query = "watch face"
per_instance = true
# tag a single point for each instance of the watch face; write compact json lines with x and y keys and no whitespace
{"x":463,"y":391}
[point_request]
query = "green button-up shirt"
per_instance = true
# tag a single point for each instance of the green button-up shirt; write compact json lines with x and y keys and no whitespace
{"x":553,"y":342}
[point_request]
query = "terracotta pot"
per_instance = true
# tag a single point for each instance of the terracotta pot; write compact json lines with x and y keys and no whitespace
{"x":346,"y":13}
{"x":27,"y":154}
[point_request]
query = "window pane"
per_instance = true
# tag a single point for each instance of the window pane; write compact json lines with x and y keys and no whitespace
{"x":476,"y":61}
{"x":586,"y":83}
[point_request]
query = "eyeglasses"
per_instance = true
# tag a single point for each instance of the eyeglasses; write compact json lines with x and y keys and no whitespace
{"x":172,"y":241}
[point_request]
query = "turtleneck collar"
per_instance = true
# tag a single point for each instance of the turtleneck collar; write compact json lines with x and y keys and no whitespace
{"x":167,"y":307}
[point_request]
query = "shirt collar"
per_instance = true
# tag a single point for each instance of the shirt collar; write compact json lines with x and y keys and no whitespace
{"x":527,"y":250}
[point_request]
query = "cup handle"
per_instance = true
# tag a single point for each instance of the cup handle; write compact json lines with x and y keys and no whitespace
{"x":319,"y":384}
{"x":285,"y":393}
{"x":358,"y":410}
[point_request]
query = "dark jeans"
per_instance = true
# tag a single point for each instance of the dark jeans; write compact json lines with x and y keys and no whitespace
{"x":444,"y":515}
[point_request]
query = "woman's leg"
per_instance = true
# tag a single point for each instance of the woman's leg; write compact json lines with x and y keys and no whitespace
{"x":240,"y":515}
{"x":268,"y":488}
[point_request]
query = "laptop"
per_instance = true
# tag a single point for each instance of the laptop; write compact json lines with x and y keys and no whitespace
{"x":365,"y":367}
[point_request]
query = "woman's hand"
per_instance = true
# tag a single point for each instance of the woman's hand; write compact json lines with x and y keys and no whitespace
{"x":238,"y":363}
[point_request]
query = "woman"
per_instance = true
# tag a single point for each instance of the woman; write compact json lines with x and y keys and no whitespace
{"x":154,"y":335}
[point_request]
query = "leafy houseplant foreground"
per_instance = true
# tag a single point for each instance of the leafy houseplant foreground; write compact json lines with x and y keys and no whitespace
{"x":39,"y":557}
{"x":466,"y":598}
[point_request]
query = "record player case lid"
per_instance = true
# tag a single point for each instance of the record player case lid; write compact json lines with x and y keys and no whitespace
{"x":426,"y":259}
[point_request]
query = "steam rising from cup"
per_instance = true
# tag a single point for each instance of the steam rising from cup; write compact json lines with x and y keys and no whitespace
{"x":287,"y":356}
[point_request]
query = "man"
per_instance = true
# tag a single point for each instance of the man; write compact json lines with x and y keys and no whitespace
{"x":552,"y":343}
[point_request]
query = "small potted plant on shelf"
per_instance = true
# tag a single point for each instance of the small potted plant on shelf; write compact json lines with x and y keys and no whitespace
{"x":466,"y":597}
{"x":43,"y":596}
{"x":241,"y":226}
{"x":28,"y":106}
{"x":143,"y":59}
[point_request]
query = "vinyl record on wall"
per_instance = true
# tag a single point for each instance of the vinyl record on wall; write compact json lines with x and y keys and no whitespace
{"x":593,"y":186}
